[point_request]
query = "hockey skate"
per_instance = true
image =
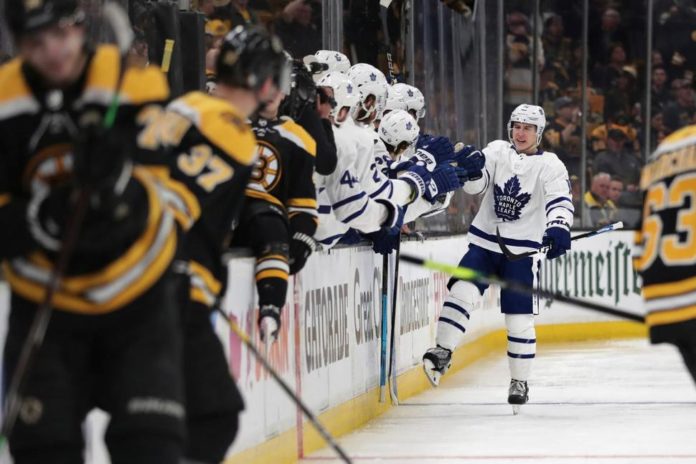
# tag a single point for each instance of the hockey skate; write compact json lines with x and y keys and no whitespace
{"x":436,"y":361}
{"x":518,"y":394}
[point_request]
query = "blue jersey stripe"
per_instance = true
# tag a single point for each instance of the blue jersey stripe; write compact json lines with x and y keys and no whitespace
{"x":521,"y":340}
{"x":358,"y":212}
{"x":456,"y":307}
{"x":380,"y":190}
{"x":345,"y":201}
{"x":558,"y":200}
{"x":447,"y":320}
{"x":521,"y":356}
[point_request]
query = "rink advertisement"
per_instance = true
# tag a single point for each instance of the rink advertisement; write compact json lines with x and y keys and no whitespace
{"x":329,"y":346}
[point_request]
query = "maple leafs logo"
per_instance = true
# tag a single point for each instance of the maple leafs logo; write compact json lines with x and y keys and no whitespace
{"x":349,"y":88}
{"x":373,"y":77}
{"x":409,"y":126}
{"x":509,"y":200}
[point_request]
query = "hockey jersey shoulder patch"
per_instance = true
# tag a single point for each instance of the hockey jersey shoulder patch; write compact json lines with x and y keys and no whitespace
{"x":220,"y":123}
{"x":295,"y":133}
{"x":509,"y":199}
{"x":15,"y":96}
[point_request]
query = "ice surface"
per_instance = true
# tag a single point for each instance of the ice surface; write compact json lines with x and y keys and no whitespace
{"x":615,"y":402}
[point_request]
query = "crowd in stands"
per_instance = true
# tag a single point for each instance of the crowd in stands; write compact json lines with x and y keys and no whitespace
{"x":616,"y":89}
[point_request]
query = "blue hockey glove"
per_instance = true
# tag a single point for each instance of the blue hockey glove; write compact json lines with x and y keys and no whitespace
{"x":445,"y":178}
{"x":473,"y":164}
{"x":418,"y":176}
{"x":385,"y":240}
{"x":440,"y":148}
{"x":557,"y":238}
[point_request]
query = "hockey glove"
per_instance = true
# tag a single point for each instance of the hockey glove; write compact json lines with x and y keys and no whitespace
{"x":446,"y":178}
{"x":418,"y":177}
{"x":301,"y":247}
{"x":269,"y":323}
{"x":439,"y":147}
{"x":473,"y":164}
{"x":385,"y":240}
{"x":557,"y":239}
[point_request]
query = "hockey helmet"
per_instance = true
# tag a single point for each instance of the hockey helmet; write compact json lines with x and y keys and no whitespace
{"x":528,"y":114}
{"x":345,"y":92}
{"x":370,"y":81}
{"x":397,"y":127}
{"x":414,"y":98}
{"x":27,"y":16}
{"x":325,"y":61}
{"x":395,"y":101}
{"x":250,"y":55}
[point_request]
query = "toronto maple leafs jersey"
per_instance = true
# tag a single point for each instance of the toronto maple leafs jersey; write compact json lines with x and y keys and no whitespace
{"x":522,"y":194}
{"x":343,"y":201}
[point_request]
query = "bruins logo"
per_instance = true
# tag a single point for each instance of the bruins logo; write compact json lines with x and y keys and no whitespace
{"x":50,"y":166}
{"x":267,"y":171}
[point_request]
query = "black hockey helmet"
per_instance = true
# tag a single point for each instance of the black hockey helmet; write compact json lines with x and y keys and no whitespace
{"x":249,"y":56}
{"x":303,"y":92}
{"x":27,"y":16}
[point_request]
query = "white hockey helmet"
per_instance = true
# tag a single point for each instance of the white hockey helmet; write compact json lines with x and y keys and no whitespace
{"x":395,"y":101}
{"x":528,"y":114}
{"x":345,"y":93}
{"x":398,"y":126}
{"x":333,"y":61}
{"x":370,"y":81}
{"x":415,"y":101}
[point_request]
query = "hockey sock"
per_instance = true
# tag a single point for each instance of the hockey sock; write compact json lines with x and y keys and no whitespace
{"x":456,"y":313}
{"x":521,"y":344}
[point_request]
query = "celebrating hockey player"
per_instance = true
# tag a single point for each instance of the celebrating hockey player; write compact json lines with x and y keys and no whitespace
{"x":114,"y":338}
{"x":667,"y":252}
{"x":527,"y":197}
{"x":213,"y":151}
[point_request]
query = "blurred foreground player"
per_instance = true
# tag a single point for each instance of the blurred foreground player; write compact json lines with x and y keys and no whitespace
{"x":114,"y":339}
{"x":667,"y":256}
{"x":212,"y":153}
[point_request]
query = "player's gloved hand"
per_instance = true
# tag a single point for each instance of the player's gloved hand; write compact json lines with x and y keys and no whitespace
{"x":418,"y":176}
{"x":269,"y":323}
{"x":301,"y":247}
{"x":445,"y":178}
{"x":395,"y":214}
{"x":473,"y":164}
{"x":557,"y":239}
{"x":439,"y":147}
{"x":385,"y":240}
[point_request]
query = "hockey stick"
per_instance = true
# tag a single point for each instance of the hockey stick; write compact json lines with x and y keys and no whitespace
{"x":391,"y":375}
{"x":35,"y":337}
{"x":296,"y":399}
{"x":383,"y":332}
{"x":513,"y":257}
{"x":471,"y":275}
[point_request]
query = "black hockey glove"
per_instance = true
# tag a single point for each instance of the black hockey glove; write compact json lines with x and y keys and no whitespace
{"x":301,"y":247}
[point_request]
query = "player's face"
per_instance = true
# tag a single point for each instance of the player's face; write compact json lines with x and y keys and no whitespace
{"x":56,"y":53}
{"x":524,"y":137}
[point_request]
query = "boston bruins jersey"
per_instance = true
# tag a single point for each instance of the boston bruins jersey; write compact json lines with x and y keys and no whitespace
{"x":667,"y":238}
{"x":38,"y":127}
{"x":283,"y":171}
{"x":211,"y":151}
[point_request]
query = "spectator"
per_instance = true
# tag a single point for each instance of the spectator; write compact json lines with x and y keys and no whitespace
{"x":622,"y":96}
{"x":616,"y":188}
{"x":563,"y":135}
{"x":604,"y":38}
{"x":658,"y":130}
{"x":605,"y":75}
{"x":234,"y":13}
{"x":297,"y":27}
{"x":599,"y":209}
{"x":659,"y":90}
{"x":680,"y":112}
{"x":557,"y":47}
{"x":621,"y":121}
{"x":616,"y":160}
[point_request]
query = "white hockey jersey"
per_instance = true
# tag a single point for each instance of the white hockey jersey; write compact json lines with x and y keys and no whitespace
{"x":343,"y":201}
{"x":522,"y":195}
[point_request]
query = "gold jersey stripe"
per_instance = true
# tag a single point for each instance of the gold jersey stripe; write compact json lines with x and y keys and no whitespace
{"x":206,"y":276}
{"x":669,"y":289}
{"x":671,"y":316}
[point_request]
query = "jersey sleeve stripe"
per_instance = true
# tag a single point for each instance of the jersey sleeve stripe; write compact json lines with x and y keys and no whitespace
{"x":348,"y":200}
{"x":571,"y":209}
{"x":357,"y":213}
{"x":557,"y":200}
{"x":380,"y":190}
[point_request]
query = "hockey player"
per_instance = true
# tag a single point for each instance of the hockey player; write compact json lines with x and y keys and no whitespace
{"x":280,"y":217}
{"x":413,"y":97}
{"x":114,"y":338}
{"x":213,"y":151}
{"x":667,"y":255}
{"x":343,"y":202}
{"x":326,"y":61}
{"x":527,"y":197}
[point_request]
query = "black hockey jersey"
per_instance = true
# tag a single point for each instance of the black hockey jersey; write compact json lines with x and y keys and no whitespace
{"x":38,"y":128}
{"x":211,"y":151}
{"x":667,"y":239}
{"x":283,"y":171}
